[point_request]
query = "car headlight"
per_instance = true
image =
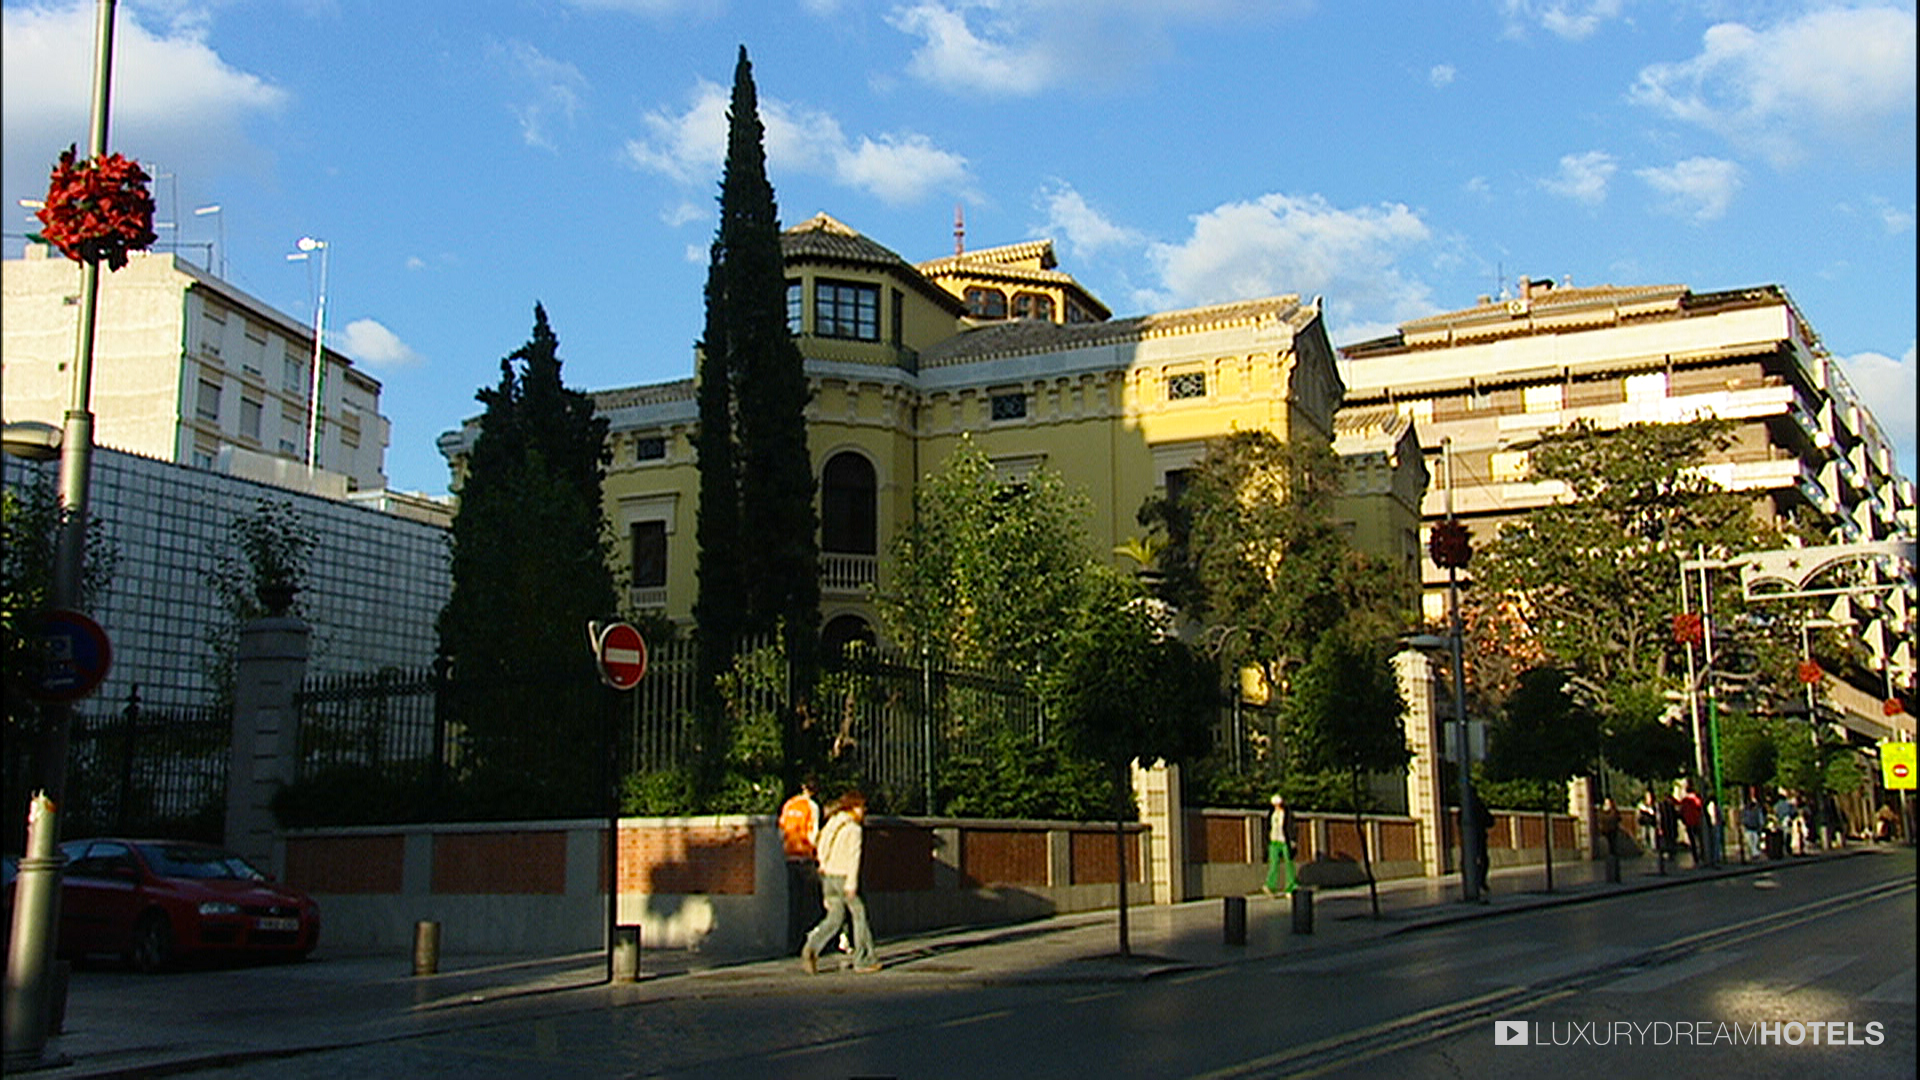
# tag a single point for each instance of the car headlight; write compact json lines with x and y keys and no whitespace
{"x":219,"y":907}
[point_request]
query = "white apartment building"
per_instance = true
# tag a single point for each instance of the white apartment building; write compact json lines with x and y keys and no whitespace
{"x":1491,"y":378}
{"x":189,"y":369}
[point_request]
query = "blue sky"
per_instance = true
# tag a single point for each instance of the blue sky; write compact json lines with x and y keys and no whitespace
{"x":465,"y":160}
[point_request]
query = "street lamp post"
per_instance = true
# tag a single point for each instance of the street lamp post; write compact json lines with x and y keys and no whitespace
{"x":308,"y":245}
{"x":28,"y":1006}
{"x":220,"y":257}
{"x":1451,"y":548}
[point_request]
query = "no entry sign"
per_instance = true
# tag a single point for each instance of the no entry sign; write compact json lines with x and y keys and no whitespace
{"x":1897,"y":764}
{"x":621,"y":654}
{"x":77,"y":656}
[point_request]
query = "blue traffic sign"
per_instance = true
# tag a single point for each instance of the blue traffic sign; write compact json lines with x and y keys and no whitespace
{"x":75,"y":657}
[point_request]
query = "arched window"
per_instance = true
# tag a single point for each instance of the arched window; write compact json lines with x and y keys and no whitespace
{"x":848,"y":506}
{"x":842,"y":631}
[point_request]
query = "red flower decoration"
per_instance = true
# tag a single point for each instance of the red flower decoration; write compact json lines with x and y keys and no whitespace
{"x":1810,"y":672}
{"x":1450,"y":545}
{"x":1893,"y":706}
{"x":98,"y":210}
{"x":1689,"y":628}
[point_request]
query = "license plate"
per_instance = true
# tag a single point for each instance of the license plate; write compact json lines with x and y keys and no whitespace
{"x":271,"y":924}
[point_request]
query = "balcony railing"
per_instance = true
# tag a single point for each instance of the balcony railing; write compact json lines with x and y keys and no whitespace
{"x":842,"y":574}
{"x":648,"y":597}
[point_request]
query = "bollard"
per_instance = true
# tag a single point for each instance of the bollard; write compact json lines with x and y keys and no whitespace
{"x":626,"y":954}
{"x":1233,"y":910}
{"x":426,"y":948}
{"x":1302,"y":910}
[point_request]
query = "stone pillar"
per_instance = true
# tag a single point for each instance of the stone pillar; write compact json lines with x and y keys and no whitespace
{"x":1157,"y":790}
{"x":1426,"y":786}
{"x":269,"y":666}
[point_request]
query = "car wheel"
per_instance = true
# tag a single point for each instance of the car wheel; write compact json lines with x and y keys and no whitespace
{"x":152,"y":943}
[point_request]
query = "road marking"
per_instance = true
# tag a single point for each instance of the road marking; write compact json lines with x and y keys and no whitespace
{"x":963,"y":1021}
{"x":1476,"y":956}
{"x":1196,"y":976}
{"x":1085,"y":998}
{"x":1897,"y":990}
{"x":1803,"y":971}
{"x":1665,"y":975}
{"x":1564,"y":966}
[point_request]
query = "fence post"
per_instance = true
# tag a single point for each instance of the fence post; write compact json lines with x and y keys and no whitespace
{"x":270,"y":665}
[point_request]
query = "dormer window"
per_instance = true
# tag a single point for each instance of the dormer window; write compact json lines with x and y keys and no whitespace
{"x":1028,"y":305}
{"x":984,"y":303}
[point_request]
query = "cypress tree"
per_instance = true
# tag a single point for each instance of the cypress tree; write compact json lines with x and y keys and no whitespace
{"x":756,"y":477}
{"x":530,"y":550}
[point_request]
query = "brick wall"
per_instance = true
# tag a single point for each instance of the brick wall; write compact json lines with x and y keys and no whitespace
{"x":687,"y":859}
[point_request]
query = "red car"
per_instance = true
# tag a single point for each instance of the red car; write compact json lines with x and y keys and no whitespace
{"x":156,"y":901}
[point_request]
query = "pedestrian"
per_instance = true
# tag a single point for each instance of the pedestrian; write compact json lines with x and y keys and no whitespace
{"x":1753,"y":821}
{"x":1784,"y":815}
{"x":1610,"y":833}
{"x":1886,"y":824}
{"x":1692,"y":812}
{"x":799,"y":831}
{"x":1667,"y":810}
{"x":1647,"y":820}
{"x":1801,"y":825}
{"x":1279,"y":848}
{"x":841,"y":840}
{"x":1474,"y":816}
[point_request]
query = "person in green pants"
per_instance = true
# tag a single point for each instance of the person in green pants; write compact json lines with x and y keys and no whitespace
{"x":1280,"y":848}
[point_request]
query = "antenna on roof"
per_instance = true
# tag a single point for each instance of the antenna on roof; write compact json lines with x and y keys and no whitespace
{"x":959,"y":230}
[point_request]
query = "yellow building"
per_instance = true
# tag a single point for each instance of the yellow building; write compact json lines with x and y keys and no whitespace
{"x":905,"y":360}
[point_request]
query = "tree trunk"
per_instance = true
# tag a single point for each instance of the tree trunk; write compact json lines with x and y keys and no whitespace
{"x":1546,"y":820}
{"x":1120,"y":849}
{"x":1366,"y":860}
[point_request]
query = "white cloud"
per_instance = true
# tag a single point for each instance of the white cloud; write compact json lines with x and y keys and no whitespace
{"x":549,"y":90}
{"x":1440,"y":75}
{"x":1887,"y":388}
{"x":1698,"y":188}
{"x":1843,"y":76}
{"x":1895,"y":219}
{"x":895,"y":167}
{"x":1583,"y":177}
{"x":176,"y":102}
{"x":1282,"y":244}
{"x":1083,"y":229}
{"x":955,"y":58}
{"x":1570,"y":21}
{"x":1020,"y":48}
{"x":367,"y":341}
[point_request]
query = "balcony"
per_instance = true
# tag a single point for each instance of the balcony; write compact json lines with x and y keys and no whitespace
{"x":843,"y":574}
{"x":643,"y":598}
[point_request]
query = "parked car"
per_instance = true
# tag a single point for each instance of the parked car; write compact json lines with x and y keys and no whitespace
{"x":156,"y":901}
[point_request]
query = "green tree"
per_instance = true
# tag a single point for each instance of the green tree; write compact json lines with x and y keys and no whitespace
{"x":259,"y":570}
{"x":1344,"y":716}
{"x":756,"y":476}
{"x":1544,"y":737}
{"x":1129,"y":690}
{"x":30,"y":518}
{"x":1596,"y":575}
{"x":982,"y":573}
{"x":1254,"y":554}
{"x":530,"y":550}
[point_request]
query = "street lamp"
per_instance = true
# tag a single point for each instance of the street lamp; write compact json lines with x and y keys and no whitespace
{"x":220,"y":258}
{"x":308,"y":245}
{"x":28,"y":1006}
{"x":1451,"y":548}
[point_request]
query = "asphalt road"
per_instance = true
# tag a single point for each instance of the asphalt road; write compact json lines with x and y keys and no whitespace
{"x":1827,"y":944}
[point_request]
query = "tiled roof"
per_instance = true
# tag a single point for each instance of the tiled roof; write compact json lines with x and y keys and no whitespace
{"x":650,"y":394}
{"x":1023,"y":336}
{"x":823,"y":237}
{"x":1548,"y":300}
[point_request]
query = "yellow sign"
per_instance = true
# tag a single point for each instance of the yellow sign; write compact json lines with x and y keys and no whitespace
{"x":1897,"y":765}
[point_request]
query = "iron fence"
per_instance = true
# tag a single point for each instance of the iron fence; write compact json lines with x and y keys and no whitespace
{"x":148,"y":769}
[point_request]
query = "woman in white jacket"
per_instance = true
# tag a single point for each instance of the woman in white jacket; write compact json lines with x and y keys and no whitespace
{"x":839,"y":852}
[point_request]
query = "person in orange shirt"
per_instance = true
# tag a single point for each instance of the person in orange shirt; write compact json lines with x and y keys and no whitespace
{"x":799,"y":832}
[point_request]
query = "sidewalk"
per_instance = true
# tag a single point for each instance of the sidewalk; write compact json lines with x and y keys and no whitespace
{"x":119,"y":1023}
